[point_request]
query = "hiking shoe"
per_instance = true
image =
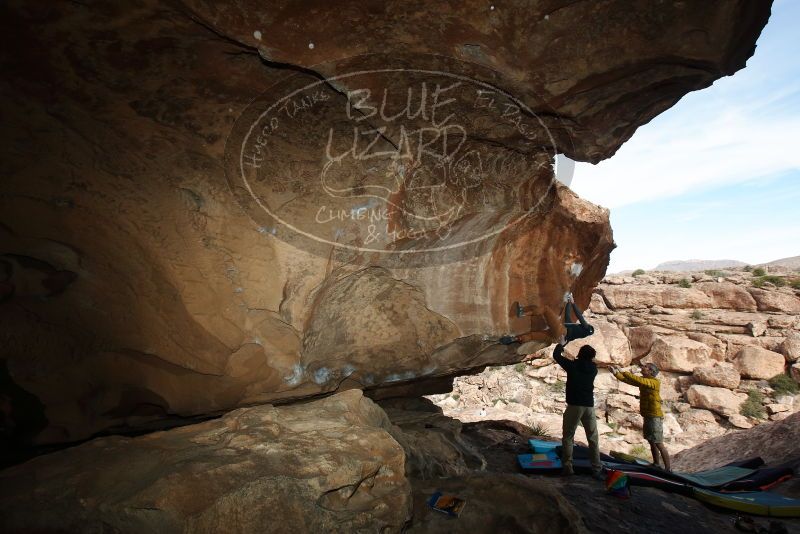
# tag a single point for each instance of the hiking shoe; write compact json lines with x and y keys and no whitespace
{"x":567,"y":471}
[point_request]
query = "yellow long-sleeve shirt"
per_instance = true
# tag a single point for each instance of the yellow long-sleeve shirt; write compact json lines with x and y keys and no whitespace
{"x":649,"y":393}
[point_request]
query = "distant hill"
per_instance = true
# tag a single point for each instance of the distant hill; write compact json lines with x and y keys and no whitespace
{"x":792,"y":264}
{"x":699,"y":265}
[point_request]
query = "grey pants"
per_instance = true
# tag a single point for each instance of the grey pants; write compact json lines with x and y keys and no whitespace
{"x":585,"y":416}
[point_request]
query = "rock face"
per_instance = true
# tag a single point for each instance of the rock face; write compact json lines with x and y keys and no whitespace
{"x":755,"y":362}
{"x":326,"y":466}
{"x":196,"y":278}
{"x":790,"y":347}
{"x":633,"y":296}
{"x":775,"y":442}
{"x":679,"y":354}
{"x":728,"y":295}
{"x":775,"y":301}
{"x":610,"y":343}
{"x":720,"y":400}
{"x":723,"y":375}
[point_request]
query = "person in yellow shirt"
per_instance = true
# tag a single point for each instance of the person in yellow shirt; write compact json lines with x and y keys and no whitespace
{"x":650,"y":408}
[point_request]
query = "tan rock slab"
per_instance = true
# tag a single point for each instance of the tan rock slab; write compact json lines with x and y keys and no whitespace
{"x":774,"y":300}
{"x":790,"y":347}
{"x":327,"y":465}
{"x":777,"y":408}
{"x":727,"y":295}
{"x":720,"y":400}
{"x":608,"y":340}
{"x":718,"y":347}
{"x":598,"y":305}
{"x":641,"y":339}
{"x":679,"y":354}
{"x":720,"y":374}
{"x":758,"y":363}
{"x":646,"y":296}
{"x":739,"y":421}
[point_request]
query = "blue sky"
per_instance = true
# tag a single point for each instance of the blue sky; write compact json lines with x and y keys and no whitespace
{"x":718,"y":175}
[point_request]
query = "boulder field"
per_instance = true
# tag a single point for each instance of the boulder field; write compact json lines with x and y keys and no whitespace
{"x":716,"y":346}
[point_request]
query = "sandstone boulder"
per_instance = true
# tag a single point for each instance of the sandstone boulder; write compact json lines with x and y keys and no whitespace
{"x":696,"y":416}
{"x":757,"y":328}
{"x":720,"y":400}
{"x":641,"y":339}
{"x":646,"y":296}
{"x":718,"y":347}
{"x":605,"y":381}
{"x":699,"y":425}
{"x":685,"y":382}
{"x":679,"y":354}
{"x":720,"y":374}
{"x":627,"y":403}
{"x":608,"y":340}
{"x":777,"y":301}
{"x":670,"y":386}
{"x":790,"y":347}
{"x":671,"y":426}
{"x":728,"y":295}
{"x":739,"y":421}
{"x":777,"y":408}
{"x":598,"y":305}
{"x":758,"y":363}
{"x":432,"y":441}
{"x":774,"y":442}
{"x":327,"y":465}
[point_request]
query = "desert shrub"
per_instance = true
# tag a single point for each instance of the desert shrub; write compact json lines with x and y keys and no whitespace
{"x":684,"y":283}
{"x":748,"y":268}
{"x":754,"y":405}
{"x":540,"y":430}
{"x":777,"y":281}
{"x":456,"y":396}
{"x":640,"y":451}
{"x":520,"y":367}
{"x":758,"y":282}
{"x":637,"y":272}
{"x":714,"y":272}
{"x":696,"y":315}
{"x":558,"y":386}
{"x":758,"y":271}
{"x":795,"y":284}
{"x":783,"y":384}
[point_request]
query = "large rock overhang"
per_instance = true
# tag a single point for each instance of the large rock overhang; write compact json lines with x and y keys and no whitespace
{"x":142,"y":278}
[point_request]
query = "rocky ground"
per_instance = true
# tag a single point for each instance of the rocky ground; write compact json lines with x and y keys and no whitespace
{"x":339,"y":464}
{"x":718,"y":337}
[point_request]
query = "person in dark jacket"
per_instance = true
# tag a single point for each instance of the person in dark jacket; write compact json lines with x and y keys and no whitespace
{"x":581,"y":373}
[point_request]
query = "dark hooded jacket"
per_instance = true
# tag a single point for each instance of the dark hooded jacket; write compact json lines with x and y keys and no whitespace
{"x":580,"y":378}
